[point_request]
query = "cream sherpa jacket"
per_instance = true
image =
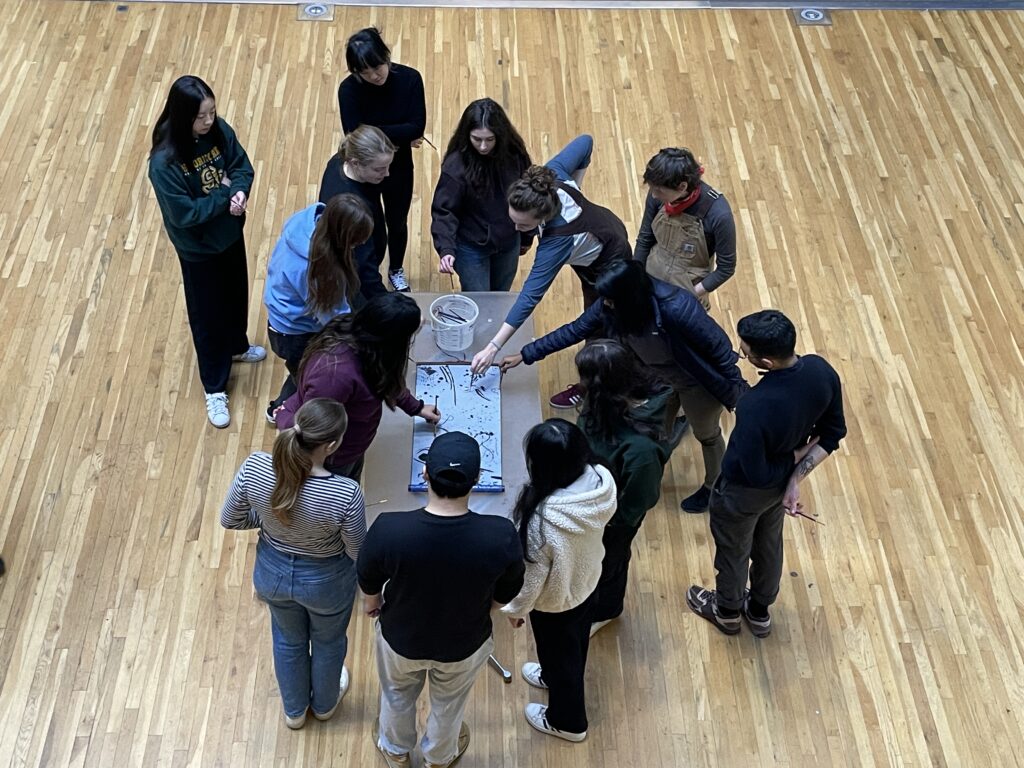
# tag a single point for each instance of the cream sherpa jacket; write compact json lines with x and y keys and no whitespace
{"x":564,"y":540}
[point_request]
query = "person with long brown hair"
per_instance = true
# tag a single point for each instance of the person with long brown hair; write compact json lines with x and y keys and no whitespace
{"x":312,"y":524}
{"x":312,"y":277}
{"x":470,"y":227}
{"x":360,"y":360}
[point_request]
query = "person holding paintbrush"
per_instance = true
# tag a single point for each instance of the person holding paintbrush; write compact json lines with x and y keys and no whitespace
{"x":785,"y":427}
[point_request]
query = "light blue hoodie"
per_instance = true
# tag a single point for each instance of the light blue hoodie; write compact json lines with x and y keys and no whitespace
{"x":287,"y":291}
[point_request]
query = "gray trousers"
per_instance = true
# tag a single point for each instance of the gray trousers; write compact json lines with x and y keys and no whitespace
{"x":746,"y":524}
{"x":401,"y":682}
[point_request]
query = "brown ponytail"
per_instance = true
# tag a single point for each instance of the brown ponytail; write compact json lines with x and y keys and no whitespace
{"x":332,"y":273}
{"x":319,"y":421}
{"x":536,"y":193}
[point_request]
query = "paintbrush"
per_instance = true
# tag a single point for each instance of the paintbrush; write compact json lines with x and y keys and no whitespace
{"x":428,"y":141}
{"x":435,"y":413}
{"x":812,"y":519}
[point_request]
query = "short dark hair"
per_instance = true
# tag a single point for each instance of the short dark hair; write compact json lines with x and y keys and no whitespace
{"x":449,"y":488}
{"x":672,"y":167}
{"x":768,"y":333}
{"x":366,"y":50}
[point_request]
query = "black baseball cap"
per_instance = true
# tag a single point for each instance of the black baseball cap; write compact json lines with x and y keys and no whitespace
{"x":455,"y":457}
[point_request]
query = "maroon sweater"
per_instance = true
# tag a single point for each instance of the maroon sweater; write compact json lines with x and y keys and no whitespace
{"x":338,"y":374}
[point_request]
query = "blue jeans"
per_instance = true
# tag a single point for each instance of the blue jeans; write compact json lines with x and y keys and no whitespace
{"x":310,"y":601}
{"x":573,"y":156}
{"x":487,"y":268}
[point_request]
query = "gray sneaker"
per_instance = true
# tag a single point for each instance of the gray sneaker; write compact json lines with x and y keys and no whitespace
{"x":253,"y":354}
{"x":704,"y":603}
{"x":759,"y":626}
{"x":217,"y":409}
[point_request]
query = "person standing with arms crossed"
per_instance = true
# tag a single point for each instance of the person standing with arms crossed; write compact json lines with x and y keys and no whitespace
{"x":786,"y":426}
{"x":389,"y":96}
{"x":202,"y":177}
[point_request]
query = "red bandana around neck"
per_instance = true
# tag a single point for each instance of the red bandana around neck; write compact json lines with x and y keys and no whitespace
{"x":677,"y":207}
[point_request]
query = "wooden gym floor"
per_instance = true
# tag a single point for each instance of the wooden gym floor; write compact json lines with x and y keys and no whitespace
{"x":878,"y":186}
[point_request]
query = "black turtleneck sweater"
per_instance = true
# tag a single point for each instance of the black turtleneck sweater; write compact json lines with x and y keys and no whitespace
{"x":398,"y":108}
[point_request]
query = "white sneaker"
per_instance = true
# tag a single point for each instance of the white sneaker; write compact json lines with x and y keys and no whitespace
{"x":342,"y":690}
{"x":398,"y":281}
{"x":537,"y":716}
{"x":531,"y":674}
{"x":253,"y":354}
{"x":295,"y":722}
{"x":217,"y":409}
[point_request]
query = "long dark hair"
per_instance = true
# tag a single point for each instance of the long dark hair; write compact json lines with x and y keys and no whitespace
{"x":557,"y":454}
{"x":173,"y":130}
{"x":318,"y":422}
{"x":509,"y":156}
{"x":332,"y":273}
{"x":627,"y":285}
{"x":380,"y":333}
{"x":613,"y":380}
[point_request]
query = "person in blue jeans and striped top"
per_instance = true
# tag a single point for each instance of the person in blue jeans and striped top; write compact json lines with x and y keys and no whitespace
{"x":571,"y":229}
{"x":312,"y":524}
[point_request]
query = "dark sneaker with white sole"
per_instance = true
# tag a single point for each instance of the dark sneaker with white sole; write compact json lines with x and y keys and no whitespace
{"x":397,"y":279}
{"x":760,"y":626}
{"x":569,"y":397}
{"x":704,"y":603}
{"x":697,"y":502}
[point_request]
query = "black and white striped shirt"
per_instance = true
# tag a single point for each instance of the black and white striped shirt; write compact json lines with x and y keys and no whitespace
{"x":328,"y":519}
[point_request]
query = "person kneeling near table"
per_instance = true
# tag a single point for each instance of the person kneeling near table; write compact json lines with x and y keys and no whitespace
{"x":445,"y":568}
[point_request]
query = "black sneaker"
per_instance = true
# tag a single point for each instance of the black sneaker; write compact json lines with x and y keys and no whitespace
{"x":760,"y":626}
{"x":704,"y":603}
{"x":697,"y":502}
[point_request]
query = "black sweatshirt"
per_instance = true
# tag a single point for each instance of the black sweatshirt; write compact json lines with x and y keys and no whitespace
{"x":398,"y":108}
{"x":441,"y":574}
{"x":780,"y":414}
{"x":370,"y":254}
{"x":477,"y":217}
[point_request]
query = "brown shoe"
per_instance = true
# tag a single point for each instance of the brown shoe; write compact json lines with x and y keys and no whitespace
{"x":393,"y":760}
{"x":463,"y":744}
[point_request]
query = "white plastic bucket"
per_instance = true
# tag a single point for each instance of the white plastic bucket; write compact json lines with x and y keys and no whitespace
{"x":452,"y":319}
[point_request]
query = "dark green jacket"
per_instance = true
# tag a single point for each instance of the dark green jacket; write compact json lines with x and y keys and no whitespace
{"x":636,"y":460}
{"x":192,"y":200}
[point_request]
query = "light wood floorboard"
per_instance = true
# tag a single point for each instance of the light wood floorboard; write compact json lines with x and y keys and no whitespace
{"x":877,"y":178}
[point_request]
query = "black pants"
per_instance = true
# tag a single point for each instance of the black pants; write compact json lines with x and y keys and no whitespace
{"x":396,"y":194}
{"x":746,"y":524}
{"x":217,"y":301}
{"x":563,"y":640}
{"x":611,"y":589}
{"x":289,"y":347}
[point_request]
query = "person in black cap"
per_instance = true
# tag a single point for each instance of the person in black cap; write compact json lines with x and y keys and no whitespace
{"x":444,"y":568}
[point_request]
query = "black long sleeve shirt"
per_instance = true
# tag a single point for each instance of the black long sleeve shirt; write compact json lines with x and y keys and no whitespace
{"x":370,"y":254}
{"x":439,"y":576}
{"x":780,"y":414}
{"x":398,"y":108}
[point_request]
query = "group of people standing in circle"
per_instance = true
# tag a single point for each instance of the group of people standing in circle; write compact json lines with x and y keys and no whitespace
{"x":654,"y":364}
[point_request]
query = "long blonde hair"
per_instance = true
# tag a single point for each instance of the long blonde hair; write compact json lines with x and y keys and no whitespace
{"x":319,"y":421}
